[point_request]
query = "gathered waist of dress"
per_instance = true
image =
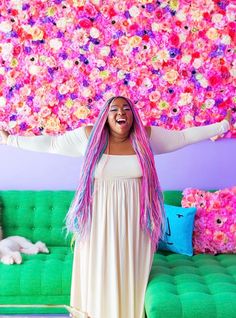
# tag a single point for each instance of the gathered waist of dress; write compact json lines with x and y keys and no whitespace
{"x":116,"y":178}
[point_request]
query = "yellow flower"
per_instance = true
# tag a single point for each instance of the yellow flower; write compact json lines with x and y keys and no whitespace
{"x":163,"y":104}
{"x":171,"y":76}
{"x":135,"y":41}
{"x":50,"y":11}
{"x":82,"y":112}
{"x":174,"y":5}
{"x":212,"y":34}
{"x":52,"y":124}
{"x":37,"y":33}
{"x":69,"y":103}
{"x":14,"y":62}
{"x":104,"y":74}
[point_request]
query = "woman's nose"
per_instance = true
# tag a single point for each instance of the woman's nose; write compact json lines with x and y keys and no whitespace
{"x":121,"y":111}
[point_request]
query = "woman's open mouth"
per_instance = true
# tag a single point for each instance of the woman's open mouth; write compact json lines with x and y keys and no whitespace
{"x":121,"y":121}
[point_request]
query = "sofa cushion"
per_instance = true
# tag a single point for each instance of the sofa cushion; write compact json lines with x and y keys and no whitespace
{"x":36,"y":215}
{"x":191,"y":286}
{"x":179,"y":230}
{"x":215,"y":221}
{"x":41,"y":279}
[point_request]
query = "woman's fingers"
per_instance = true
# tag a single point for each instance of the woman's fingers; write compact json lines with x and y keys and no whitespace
{"x":3,"y":137}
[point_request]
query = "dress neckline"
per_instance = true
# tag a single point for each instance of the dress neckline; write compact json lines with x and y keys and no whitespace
{"x":119,"y":155}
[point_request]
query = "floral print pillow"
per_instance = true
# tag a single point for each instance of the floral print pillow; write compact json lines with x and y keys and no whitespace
{"x":215,"y":220}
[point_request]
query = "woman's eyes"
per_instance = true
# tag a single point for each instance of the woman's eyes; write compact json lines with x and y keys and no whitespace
{"x":116,"y":109}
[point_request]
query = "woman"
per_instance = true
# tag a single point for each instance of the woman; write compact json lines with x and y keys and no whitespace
{"x":117,"y":213}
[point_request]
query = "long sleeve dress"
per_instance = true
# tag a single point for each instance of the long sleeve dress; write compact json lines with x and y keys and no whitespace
{"x":111,"y":268}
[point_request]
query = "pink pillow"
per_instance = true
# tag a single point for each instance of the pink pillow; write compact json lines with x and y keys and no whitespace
{"x":215,"y":220}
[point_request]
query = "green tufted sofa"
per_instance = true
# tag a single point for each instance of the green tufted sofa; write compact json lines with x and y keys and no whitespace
{"x":179,"y":286}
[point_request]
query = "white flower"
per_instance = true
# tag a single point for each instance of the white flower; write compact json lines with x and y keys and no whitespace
{"x":61,"y":23}
{"x":197,"y":63}
{"x":155,"y":26}
{"x":105,"y":50}
{"x":95,"y":33}
{"x":147,"y":83}
{"x":121,"y":74}
{"x":68,"y":64}
{"x":186,"y":58}
{"x":34,"y":69}
{"x":216,"y":18}
{"x":134,"y":11}
{"x":209,"y":103}
{"x":5,"y":27}
{"x":185,"y":99}
{"x":226,"y":39}
{"x":6,"y":50}
{"x":2,"y":101}
{"x":55,"y":44}
{"x":181,"y":15}
{"x":86,"y":92}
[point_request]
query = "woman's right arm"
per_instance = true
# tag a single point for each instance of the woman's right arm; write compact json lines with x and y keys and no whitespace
{"x":72,"y":143}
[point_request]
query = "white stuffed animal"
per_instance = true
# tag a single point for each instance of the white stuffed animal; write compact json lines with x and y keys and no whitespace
{"x":12,"y":246}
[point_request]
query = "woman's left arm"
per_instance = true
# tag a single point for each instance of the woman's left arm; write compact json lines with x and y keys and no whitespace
{"x":165,"y":140}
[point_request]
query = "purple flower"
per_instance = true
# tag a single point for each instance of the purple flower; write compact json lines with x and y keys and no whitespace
{"x":23,"y":126}
{"x":63,"y":55}
{"x":13,"y":117}
{"x":173,"y":52}
{"x":27,"y":49}
{"x":85,"y":83}
{"x":60,"y":34}
{"x":31,"y":22}
{"x":127,"y":15}
{"x":25,"y":6}
{"x":73,"y":96}
{"x":150,"y":7}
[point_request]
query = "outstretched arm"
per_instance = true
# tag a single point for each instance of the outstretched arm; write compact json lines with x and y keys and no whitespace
{"x":72,"y":143}
{"x":164,"y":140}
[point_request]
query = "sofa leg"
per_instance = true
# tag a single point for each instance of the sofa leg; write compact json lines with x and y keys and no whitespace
{"x":76,"y":313}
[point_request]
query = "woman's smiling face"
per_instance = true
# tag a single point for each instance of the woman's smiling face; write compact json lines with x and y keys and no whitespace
{"x":120,"y":116}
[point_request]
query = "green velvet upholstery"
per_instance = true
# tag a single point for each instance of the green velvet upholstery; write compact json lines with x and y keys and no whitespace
{"x":197,"y":286}
{"x":41,"y":278}
{"x":179,"y":286}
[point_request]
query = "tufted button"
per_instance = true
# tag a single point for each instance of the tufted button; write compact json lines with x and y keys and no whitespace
{"x":32,"y":228}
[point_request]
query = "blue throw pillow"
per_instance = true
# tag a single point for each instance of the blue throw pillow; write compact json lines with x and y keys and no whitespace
{"x":179,"y":230}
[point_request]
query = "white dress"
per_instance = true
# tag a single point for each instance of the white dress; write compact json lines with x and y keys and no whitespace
{"x":111,"y":268}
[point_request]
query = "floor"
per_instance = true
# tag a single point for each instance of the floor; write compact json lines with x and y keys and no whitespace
{"x":35,"y":316}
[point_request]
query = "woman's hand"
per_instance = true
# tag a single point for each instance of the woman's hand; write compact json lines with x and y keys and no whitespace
{"x":228,"y":117}
{"x":3,"y":137}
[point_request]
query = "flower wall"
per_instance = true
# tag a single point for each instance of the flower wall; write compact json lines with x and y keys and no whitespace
{"x":61,"y":60}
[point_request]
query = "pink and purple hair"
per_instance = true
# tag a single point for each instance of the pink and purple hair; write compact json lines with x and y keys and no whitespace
{"x":152,"y":220}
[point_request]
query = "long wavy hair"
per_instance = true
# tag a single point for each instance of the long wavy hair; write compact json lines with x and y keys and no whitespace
{"x":152,"y":220}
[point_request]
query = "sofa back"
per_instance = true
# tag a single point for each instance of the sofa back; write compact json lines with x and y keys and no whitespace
{"x":40,"y":215}
{"x":36,"y":215}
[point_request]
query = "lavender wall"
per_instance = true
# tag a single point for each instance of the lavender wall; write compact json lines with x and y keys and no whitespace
{"x":205,"y":165}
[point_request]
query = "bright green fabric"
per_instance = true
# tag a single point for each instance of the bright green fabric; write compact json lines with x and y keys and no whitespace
{"x":196,"y":286}
{"x":41,"y":278}
{"x":180,"y":286}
